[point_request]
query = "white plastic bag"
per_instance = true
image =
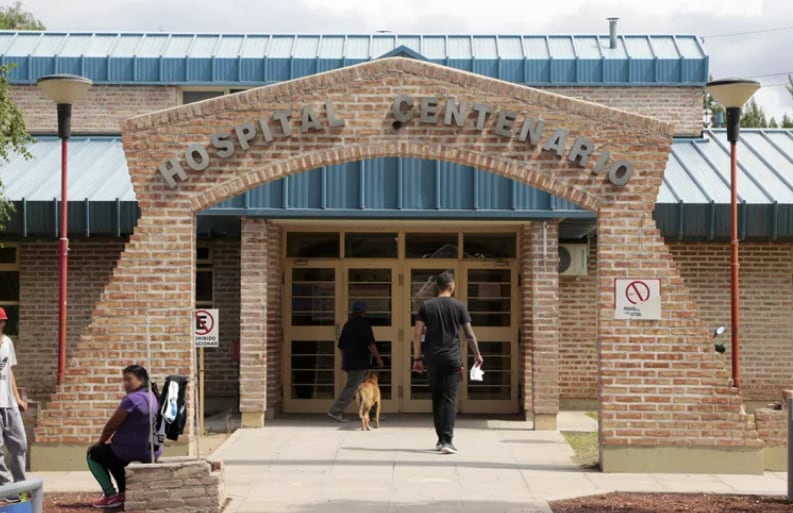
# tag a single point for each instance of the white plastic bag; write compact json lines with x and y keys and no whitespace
{"x":477,"y":374}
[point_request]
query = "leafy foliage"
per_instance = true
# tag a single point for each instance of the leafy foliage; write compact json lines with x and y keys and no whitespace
{"x":13,"y":17}
{"x":753,"y":116}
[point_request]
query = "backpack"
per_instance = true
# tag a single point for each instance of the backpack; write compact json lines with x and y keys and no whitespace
{"x":172,"y":415}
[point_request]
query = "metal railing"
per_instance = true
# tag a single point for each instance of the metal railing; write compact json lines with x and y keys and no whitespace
{"x":33,"y":487}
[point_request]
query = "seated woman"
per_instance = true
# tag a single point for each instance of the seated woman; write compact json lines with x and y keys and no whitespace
{"x":130,"y":428}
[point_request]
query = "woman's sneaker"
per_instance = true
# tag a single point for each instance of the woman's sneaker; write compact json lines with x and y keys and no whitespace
{"x":114,"y":501}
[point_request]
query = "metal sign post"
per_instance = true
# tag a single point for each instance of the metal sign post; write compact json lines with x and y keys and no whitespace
{"x":206,"y":334}
{"x":201,"y":390}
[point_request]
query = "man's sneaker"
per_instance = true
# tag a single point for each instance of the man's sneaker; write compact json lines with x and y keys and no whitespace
{"x":337,"y":418}
{"x":448,"y":449}
{"x":438,"y":445}
{"x":114,"y":501}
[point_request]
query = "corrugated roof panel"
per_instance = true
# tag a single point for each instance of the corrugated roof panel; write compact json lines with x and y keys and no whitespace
{"x":75,"y":45}
{"x":281,"y":47}
{"x":6,"y":40}
{"x":412,"y":42}
{"x":536,"y":47}
{"x":179,"y":46}
{"x":49,"y":45}
{"x":682,"y":185}
{"x":701,"y":172}
{"x":612,"y":53}
{"x":24,"y":43}
{"x":229,"y":46}
{"x":306,"y":47}
{"x":587,"y":47}
{"x":510,"y":47}
{"x":126,"y":45}
{"x":154,"y":45}
{"x":254,"y":47}
{"x":434,"y":47}
{"x":380,"y":44}
{"x":460,"y":47}
{"x":561,"y":47}
{"x":381,"y":181}
{"x":331,"y":47}
{"x":664,"y":47}
{"x":484,"y":47}
{"x":638,"y":47}
{"x":689,"y":47}
{"x":203,"y":47}
{"x":458,"y":184}
{"x":748,"y":190}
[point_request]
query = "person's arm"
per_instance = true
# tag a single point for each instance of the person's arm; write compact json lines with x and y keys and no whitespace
{"x":23,"y":405}
{"x":473,"y":345}
{"x":112,"y":425}
{"x":418,"y":363}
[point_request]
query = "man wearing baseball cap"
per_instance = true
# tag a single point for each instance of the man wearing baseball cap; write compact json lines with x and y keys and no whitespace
{"x":11,"y":427}
{"x":357,"y":346}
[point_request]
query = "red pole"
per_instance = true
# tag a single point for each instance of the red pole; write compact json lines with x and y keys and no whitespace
{"x":63,"y":261}
{"x":736,"y":355}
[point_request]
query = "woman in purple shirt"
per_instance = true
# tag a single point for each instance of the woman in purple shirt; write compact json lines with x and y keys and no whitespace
{"x":130,"y":428}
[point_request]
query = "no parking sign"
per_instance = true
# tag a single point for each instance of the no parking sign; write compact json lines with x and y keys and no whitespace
{"x":206,"y":328}
{"x":638,"y":299}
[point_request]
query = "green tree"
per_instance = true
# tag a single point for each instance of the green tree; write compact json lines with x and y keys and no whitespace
{"x":711,"y":106}
{"x":14,"y":138}
{"x":12,"y":17}
{"x":787,"y":122}
{"x":753,"y":116}
{"x":772,"y":123}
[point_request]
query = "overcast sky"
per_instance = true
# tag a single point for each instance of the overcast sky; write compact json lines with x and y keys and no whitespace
{"x":748,"y":55}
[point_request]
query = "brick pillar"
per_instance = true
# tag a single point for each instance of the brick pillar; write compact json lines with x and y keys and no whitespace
{"x":527,"y":396}
{"x":541,"y":296}
{"x":253,"y":321}
{"x":275,"y":286}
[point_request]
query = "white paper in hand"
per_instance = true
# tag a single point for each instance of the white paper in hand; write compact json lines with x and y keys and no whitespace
{"x":477,"y":374}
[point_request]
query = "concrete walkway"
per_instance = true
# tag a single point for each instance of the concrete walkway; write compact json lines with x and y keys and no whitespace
{"x":311,"y":464}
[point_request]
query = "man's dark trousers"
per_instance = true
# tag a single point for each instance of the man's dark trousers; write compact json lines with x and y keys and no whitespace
{"x":444,"y":378}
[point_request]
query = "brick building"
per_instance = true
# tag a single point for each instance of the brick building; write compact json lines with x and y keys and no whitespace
{"x":402,"y":156}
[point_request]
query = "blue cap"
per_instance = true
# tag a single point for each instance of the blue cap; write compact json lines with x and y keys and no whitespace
{"x":359,"y":306}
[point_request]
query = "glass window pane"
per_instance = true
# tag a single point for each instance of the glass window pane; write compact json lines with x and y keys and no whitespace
{"x":197,"y":96}
{"x":431,"y":245}
{"x":372,"y":286}
{"x":9,"y":285}
{"x":371,"y":245}
{"x":384,"y":379}
{"x":312,"y":245}
{"x":203,"y":287}
{"x":8,"y":255}
{"x":313,"y":297}
{"x":490,"y":297}
{"x":202,"y":253}
{"x":497,"y":383}
{"x":489,"y":245}
{"x":312,"y":368}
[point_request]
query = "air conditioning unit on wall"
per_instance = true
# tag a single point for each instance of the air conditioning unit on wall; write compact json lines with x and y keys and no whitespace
{"x":573,"y":259}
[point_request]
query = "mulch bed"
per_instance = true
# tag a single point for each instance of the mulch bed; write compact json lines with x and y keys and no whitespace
{"x":672,"y":503}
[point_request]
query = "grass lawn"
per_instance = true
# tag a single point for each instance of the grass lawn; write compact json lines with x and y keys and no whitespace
{"x":585,"y":445}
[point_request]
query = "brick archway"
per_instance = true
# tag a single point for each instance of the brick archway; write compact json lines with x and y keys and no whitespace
{"x":661,"y":388}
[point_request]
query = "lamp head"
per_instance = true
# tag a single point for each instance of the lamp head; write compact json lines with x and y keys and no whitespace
{"x":732,"y":92}
{"x":64,"y":89}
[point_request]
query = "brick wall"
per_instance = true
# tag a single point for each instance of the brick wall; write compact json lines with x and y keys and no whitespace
{"x":766,"y":298}
{"x":91,"y":264}
{"x":766,"y":322}
{"x":680,"y":106}
{"x":222,"y":371}
{"x":578,"y":332}
{"x":99,"y":111}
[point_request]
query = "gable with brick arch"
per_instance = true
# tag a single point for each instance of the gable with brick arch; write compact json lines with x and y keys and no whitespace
{"x":665,"y":400}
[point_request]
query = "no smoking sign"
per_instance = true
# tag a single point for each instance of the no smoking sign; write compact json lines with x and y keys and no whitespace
{"x":638,"y":299}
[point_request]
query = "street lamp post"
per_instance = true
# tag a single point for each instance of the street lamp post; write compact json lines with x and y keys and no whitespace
{"x":64,"y":90}
{"x":733,"y":94}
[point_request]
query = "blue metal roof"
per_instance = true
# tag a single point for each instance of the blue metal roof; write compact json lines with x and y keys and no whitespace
{"x":255,"y":59}
{"x":692,"y":203}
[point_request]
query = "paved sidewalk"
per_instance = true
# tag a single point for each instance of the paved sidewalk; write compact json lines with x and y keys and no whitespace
{"x":310,"y":464}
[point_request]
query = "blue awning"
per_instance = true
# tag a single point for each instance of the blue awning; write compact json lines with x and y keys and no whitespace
{"x":693,"y":202}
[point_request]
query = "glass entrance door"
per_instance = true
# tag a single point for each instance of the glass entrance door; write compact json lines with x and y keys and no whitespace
{"x":310,"y":335}
{"x":421,"y":287}
{"x":376,"y":286}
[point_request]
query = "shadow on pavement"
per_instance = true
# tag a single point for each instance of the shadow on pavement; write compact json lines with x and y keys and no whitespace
{"x":447,"y":461}
{"x":352,"y":506}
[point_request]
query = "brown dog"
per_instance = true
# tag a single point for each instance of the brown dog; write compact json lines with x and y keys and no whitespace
{"x":368,"y":396}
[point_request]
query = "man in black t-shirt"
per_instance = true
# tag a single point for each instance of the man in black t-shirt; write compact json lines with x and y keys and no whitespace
{"x":357,"y":346}
{"x":440,"y":321}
